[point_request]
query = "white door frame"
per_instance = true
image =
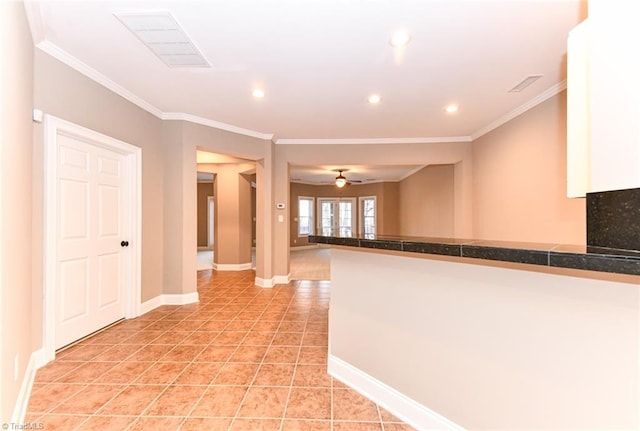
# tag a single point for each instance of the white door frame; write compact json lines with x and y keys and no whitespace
{"x":133,"y":164}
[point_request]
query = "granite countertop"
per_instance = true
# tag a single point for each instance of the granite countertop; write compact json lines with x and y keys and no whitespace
{"x":555,"y":255}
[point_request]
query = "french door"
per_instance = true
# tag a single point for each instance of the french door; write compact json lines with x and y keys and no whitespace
{"x":337,"y":216}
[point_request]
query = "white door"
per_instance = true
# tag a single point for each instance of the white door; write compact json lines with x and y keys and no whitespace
{"x":92,"y":227}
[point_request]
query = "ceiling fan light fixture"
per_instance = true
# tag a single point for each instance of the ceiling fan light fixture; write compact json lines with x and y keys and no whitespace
{"x":341,"y":181}
{"x":399,"y":39}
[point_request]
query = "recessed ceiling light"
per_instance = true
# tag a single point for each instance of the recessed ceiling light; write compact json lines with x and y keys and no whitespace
{"x":374,"y":99}
{"x":400,"y":38}
{"x":258,"y":94}
{"x":450,"y":109}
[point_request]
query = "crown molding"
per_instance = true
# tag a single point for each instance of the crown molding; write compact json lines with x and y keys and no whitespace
{"x":71,"y":61}
{"x":545,"y":95}
{"x":215,"y":124}
{"x":68,"y":59}
{"x":34,"y":17}
{"x":38,"y":34}
{"x":368,"y":141}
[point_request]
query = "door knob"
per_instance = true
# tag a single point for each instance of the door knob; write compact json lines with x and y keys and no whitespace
{"x":124,"y":243}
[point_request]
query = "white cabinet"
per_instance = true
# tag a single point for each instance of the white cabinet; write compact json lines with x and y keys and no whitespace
{"x":578,"y":121}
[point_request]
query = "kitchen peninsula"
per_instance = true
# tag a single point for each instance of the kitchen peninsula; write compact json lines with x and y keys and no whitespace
{"x":462,"y":334}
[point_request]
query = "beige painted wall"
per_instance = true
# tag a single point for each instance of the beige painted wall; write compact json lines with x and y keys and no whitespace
{"x":204,"y":191}
{"x":427,"y":202}
{"x":491,"y":348}
{"x":16,"y":103}
{"x":379,"y":154}
{"x":198,"y":137}
{"x":519,"y":180}
{"x":67,"y":94}
{"x":233,"y":213}
{"x":387,"y":217}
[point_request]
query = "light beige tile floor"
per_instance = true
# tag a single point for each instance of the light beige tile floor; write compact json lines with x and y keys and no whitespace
{"x":244,"y":358}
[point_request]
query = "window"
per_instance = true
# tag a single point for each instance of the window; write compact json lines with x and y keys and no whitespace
{"x":305,"y":216}
{"x":337,"y":216}
{"x":368,"y":216}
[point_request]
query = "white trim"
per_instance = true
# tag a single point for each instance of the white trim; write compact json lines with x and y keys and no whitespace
{"x":547,"y":94}
{"x":401,"y":406}
{"x":36,"y":360}
{"x":133,"y":159}
{"x":151,"y":304}
{"x":232,"y":266}
{"x":68,"y":59}
{"x":215,"y":124}
{"x":264,"y":282}
{"x":34,"y":17}
{"x":367,"y":141}
{"x":282,"y":279}
{"x":169,"y":299}
{"x":37,"y":32}
{"x":270,"y":282}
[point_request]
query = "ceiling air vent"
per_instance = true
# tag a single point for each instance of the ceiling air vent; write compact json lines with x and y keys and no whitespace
{"x":525,"y":83}
{"x":160,"y":32}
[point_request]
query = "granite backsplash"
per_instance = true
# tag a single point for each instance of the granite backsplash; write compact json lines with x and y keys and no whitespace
{"x":613,"y":219}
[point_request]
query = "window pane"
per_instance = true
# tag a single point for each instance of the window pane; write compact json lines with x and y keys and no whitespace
{"x":305,"y":216}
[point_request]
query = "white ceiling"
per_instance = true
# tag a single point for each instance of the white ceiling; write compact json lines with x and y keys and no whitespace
{"x":319,"y":60}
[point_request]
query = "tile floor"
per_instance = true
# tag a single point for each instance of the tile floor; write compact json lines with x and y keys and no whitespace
{"x":244,"y":358}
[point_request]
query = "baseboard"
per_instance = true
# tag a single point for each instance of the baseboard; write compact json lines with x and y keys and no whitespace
{"x":264,"y":282}
{"x":151,"y":304}
{"x":36,"y":360}
{"x":168,"y":299}
{"x":232,"y":266}
{"x":401,"y":406}
{"x":282,"y":279}
{"x":270,"y":282}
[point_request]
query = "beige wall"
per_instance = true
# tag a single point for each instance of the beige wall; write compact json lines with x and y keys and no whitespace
{"x":16,"y":103}
{"x":198,"y":137}
{"x":233,"y":213}
{"x":491,"y":348}
{"x":427,"y":202}
{"x":519,"y":180}
{"x":387,"y":217}
{"x":379,"y":154}
{"x":67,"y":94}
{"x":204,"y":191}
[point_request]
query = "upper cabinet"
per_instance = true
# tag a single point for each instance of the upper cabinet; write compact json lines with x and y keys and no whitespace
{"x":578,"y":139}
{"x":604,"y":99}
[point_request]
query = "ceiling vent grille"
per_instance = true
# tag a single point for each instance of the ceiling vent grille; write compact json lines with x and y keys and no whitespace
{"x":160,"y":32}
{"x":525,"y":83}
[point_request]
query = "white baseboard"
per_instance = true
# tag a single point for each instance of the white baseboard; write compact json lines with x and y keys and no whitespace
{"x":270,"y":282}
{"x":232,"y":266}
{"x":36,"y":360}
{"x":264,"y":282}
{"x":401,"y":406}
{"x":168,"y":299}
{"x":282,"y":279}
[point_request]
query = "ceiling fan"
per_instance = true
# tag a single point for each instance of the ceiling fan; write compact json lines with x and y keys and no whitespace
{"x":341,"y":180}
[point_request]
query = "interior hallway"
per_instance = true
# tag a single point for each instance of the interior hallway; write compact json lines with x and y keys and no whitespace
{"x":243,"y":358}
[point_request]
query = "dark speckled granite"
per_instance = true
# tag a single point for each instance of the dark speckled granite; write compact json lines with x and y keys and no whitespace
{"x":590,"y":258}
{"x":613,"y":219}
{"x":534,"y":257}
